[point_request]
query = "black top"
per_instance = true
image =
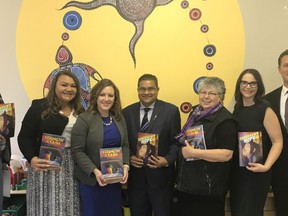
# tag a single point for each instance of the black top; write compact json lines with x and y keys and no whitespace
{"x":251,"y":118}
{"x":206,"y":178}
{"x":33,"y":126}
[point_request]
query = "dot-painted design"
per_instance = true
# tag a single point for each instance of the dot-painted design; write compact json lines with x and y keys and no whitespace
{"x":65,"y":36}
{"x":186,"y":107}
{"x":195,"y":14}
{"x":72,"y":20}
{"x":82,"y":71}
{"x":196,"y":83}
{"x":63,"y":55}
{"x":184,"y":4}
{"x":209,"y":66}
{"x":133,"y":11}
{"x":209,"y":50}
{"x":204,"y":28}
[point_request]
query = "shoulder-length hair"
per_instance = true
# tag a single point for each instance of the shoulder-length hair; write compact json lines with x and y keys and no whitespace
{"x":116,"y":109}
{"x":258,"y":98}
{"x":52,"y":103}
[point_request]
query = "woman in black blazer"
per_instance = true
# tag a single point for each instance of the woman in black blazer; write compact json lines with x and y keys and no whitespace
{"x":51,"y":192}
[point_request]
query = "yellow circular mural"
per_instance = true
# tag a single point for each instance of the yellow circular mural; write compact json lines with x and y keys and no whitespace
{"x":179,"y":41}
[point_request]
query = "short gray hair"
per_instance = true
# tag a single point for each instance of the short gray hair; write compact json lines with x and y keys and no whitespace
{"x":214,"y":82}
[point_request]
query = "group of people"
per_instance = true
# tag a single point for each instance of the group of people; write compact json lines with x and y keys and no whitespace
{"x":200,"y":186}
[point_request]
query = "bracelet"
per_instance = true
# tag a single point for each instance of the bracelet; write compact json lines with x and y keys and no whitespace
{"x":126,"y":165}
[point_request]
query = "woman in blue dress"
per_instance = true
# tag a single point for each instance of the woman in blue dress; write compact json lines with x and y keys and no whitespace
{"x":101,"y":126}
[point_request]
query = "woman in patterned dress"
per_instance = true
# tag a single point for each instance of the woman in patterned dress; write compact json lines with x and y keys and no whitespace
{"x":51,"y":192}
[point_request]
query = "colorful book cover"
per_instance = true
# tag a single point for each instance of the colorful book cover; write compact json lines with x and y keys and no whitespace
{"x":195,"y":137}
{"x":112,"y":164}
{"x":147,"y":145}
{"x":52,"y":149}
{"x":7,"y":119}
{"x":250,"y":147}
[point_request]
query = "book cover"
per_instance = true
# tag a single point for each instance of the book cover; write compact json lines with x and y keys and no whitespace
{"x":111,"y":160}
{"x":52,"y":149}
{"x":7,"y":119}
{"x":147,"y":145}
{"x":195,"y":137}
{"x":250,"y":147}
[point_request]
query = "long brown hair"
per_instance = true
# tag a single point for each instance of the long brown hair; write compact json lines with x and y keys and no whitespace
{"x":116,"y":109}
{"x":52,"y":103}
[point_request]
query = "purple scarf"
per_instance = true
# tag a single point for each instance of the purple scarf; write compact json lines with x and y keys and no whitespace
{"x":197,"y":114}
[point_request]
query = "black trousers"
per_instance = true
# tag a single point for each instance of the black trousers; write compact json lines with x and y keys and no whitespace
{"x":279,"y":185}
{"x":144,"y":201}
{"x":189,"y":204}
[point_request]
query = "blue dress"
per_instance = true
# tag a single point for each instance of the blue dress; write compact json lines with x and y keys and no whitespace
{"x":107,"y":200}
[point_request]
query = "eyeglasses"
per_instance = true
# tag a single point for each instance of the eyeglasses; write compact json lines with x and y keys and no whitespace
{"x":142,"y":90}
{"x":203,"y":93}
{"x":245,"y":84}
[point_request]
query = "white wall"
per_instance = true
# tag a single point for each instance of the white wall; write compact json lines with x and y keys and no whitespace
{"x":266,"y":37}
{"x":11,"y":87}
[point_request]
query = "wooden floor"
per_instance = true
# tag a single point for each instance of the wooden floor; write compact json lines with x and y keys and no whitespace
{"x":269,"y":209}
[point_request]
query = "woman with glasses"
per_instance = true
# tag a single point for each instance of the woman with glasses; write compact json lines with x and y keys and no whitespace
{"x":202,"y":182}
{"x":250,"y":184}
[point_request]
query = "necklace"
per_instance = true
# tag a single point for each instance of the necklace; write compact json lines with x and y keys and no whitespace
{"x":109,"y":123}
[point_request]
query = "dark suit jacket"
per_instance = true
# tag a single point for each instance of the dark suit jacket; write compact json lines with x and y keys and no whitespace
{"x":29,"y":137}
{"x":165,"y":121}
{"x":281,"y":165}
{"x":86,"y":140}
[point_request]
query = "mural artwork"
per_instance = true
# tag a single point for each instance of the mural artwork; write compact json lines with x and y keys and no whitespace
{"x":133,"y":11}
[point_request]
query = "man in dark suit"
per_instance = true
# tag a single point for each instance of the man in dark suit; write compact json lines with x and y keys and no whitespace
{"x":150,"y":188}
{"x":277,"y":98}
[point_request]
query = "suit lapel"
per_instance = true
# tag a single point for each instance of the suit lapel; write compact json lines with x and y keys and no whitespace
{"x":155,"y":115}
{"x":136,"y":116}
{"x":277,"y":101}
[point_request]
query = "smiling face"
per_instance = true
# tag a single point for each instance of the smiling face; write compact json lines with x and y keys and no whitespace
{"x":208,"y":97}
{"x":248,"y":88}
{"x":147,"y":92}
{"x":65,"y":89}
{"x":105,"y":100}
{"x":283,"y":69}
